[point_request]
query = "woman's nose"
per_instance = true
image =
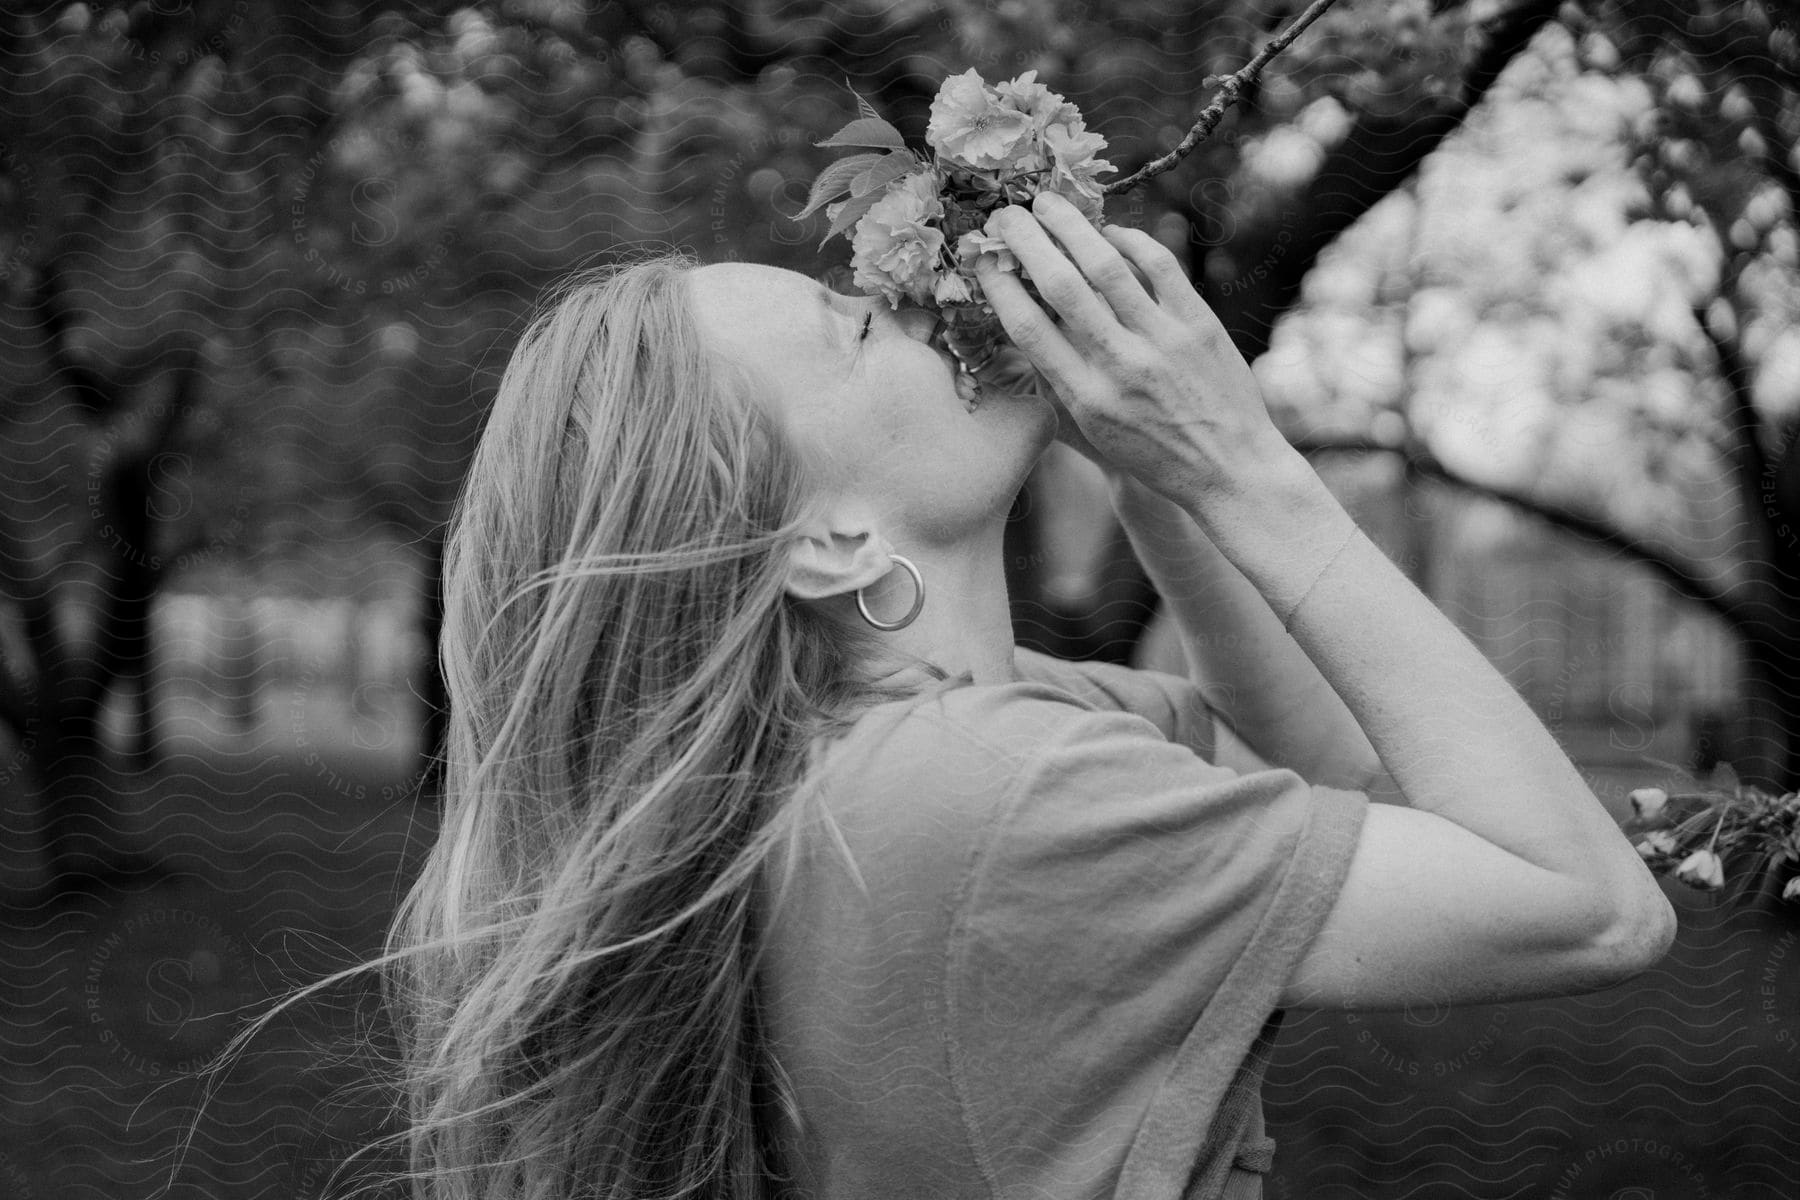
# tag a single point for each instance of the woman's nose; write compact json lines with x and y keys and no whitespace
{"x":919,"y":323}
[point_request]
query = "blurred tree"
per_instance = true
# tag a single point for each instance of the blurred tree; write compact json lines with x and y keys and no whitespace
{"x":261,"y":264}
{"x":207,"y":269}
{"x":127,"y":240}
{"x":1658,"y":298}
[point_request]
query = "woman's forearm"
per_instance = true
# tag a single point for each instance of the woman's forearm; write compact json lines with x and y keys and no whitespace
{"x":1247,"y":666}
{"x":1456,"y":737}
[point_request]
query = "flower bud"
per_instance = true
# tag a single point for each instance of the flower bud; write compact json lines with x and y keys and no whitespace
{"x":1657,"y":844}
{"x":1648,"y":802}
{"x":1702,"y":869}
{"x":1792,"y":890}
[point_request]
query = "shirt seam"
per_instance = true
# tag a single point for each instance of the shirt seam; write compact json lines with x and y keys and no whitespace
{"x":1083,"y":668}
{"x":979,"y":849}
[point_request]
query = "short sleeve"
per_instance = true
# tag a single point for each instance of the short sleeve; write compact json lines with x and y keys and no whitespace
{"x":1121,"y":941}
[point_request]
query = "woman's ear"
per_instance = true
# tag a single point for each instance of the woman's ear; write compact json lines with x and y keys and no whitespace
{"x":835,"y":556}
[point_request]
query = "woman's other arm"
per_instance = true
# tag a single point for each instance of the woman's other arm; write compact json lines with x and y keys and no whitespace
{"x":1506,"y":877}
{"x":1251,"y":671}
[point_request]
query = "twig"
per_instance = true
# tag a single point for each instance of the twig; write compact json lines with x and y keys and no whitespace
{"x":1228,"y":96}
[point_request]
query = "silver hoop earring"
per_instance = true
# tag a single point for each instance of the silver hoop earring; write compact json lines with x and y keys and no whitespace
{"x":918,"y":600}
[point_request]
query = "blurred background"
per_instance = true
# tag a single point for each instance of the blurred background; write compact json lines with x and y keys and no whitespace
{"x":1519,"y":277}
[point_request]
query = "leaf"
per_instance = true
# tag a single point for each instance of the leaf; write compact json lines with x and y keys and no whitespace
{"x":867,"y":131}
{"x":848,"y":213}
{"x":881,"y":173}
{"x":836,"y":179}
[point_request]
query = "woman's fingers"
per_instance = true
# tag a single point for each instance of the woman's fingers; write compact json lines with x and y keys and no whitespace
{"x":1056,"y":278}
{"x":1099,"y":259}
{"x":1174,"y":291}
{"x":1130,"y":377}
{"x":1012,"y":372}
{"x":1030,"y":328}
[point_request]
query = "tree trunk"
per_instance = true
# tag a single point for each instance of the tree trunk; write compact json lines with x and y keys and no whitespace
{"x":75,"y":670}
{"x":145,"y":749}
{"x":1767,"y":752}
{"x":243,"y":666}
{"x":74,"y":805}
{"x":131,"y":661}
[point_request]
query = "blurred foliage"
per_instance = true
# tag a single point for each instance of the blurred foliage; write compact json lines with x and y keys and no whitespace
{"x":262,"y":261}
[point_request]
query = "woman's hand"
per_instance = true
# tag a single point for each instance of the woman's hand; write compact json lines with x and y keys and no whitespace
{"x":1152,"y":381}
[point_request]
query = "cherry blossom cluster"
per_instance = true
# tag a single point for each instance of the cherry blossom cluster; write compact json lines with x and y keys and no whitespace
{"x":1692,"y":833}
{"x":918,"y":221}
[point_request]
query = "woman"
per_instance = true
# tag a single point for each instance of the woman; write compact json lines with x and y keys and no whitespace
{"x":770,"y":866}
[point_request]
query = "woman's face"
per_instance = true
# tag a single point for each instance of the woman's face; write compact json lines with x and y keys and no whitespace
{"x":872,"y":402}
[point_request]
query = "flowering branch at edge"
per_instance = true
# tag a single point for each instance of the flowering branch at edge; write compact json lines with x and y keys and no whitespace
{"x":1228,"y":96}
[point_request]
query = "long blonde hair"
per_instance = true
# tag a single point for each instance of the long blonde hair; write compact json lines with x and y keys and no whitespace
{"x":571,"y":979}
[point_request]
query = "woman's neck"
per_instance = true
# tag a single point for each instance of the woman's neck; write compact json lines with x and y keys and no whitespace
{"x":965,"y":626}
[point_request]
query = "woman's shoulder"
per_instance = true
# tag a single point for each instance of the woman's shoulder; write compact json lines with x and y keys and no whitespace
{"x":915,"y":789}
{"x":913,"y":785}
{"x":1171,"y":703}
{"x":955,"y":730}
{"x":955,"y":756}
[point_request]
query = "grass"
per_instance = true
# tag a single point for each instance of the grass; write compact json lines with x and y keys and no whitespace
{"x":1680,"y":1084}
{"x":277,"y":873}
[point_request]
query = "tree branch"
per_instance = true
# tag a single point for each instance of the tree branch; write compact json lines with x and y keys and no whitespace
{"x":1229,"y":90}
{"x":1376,"y":157}
{"x":1684,"y":577}
{"x":1743,"y":424}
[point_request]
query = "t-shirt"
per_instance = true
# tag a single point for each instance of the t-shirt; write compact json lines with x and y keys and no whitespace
{"x":1053,"y":971}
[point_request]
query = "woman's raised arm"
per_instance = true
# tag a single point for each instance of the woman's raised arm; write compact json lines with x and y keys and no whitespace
{"x":1506,"y":878}
{"x":1253,"y":675}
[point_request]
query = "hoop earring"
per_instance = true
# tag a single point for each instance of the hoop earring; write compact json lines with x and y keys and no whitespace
{"x":918,"y":600}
